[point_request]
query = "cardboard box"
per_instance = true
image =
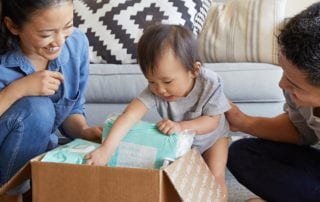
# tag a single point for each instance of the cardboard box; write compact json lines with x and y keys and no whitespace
{"x":22,"y":175}
{"x":186,"y":179}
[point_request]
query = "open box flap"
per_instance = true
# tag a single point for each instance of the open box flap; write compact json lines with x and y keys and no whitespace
{"x":22,"y":175}
{"x":192,"y":178}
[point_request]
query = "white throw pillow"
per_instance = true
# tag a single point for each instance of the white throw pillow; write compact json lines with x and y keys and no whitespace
{"x":242,"y":31}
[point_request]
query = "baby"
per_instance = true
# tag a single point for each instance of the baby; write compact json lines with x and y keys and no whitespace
{"x":186,"y":96}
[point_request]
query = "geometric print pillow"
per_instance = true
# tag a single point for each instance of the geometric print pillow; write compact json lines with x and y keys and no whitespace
{"x":113,"y":27}
{"x":242,"y":31}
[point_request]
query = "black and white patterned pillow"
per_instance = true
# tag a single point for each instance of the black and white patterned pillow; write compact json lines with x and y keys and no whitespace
{"x":114,"y":27}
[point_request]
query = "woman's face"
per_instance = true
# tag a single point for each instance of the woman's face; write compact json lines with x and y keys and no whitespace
{"x":44,"y":35}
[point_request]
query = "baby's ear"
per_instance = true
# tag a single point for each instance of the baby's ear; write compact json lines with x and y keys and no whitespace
{"x":196,"y":68}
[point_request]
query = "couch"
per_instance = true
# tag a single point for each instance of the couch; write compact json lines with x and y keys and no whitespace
{"x":236,"y":40}
{"x":253,"y":87}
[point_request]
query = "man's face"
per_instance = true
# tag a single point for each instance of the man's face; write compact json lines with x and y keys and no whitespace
{"x":295,"y":82}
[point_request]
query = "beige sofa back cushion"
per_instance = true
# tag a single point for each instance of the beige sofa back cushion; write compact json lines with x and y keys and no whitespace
{"x":242,"y":31}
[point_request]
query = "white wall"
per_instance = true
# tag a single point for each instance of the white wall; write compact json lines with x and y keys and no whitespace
{"x":295,"y":6}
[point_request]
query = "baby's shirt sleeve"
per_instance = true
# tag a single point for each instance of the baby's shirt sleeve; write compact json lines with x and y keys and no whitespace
{"x":217,"y":102}
{"x":147,"y":98}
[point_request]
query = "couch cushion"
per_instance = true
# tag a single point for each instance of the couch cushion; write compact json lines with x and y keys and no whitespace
{"x":243,"y":82}
{"x":114,"y":83}
{"x":242,"y":31}
{"x":114,"y":27}
{"x":250,"y":82}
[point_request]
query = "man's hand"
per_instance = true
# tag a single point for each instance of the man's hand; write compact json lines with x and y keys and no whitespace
{"x":237,"y":119}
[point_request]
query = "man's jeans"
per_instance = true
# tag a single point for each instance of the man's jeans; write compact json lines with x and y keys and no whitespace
{"x":276,"y":171}
{"x":25,"y":130}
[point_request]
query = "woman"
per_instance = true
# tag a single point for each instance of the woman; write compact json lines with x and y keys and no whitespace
{"x":43,"y":75}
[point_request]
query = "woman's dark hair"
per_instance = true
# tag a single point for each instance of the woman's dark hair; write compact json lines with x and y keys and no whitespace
{"x":157,"y":38}
{"x":299,"y":42}
{"x":19,"y":11}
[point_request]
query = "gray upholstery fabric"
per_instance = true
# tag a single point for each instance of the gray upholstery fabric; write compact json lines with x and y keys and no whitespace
{"x":243,"y":82}
{"x":253,"y":86}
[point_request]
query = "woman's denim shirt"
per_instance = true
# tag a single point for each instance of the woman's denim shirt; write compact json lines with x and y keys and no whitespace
{"x":73,"y":63}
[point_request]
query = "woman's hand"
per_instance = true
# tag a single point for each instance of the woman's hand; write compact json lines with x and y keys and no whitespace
{"x":40,"y":83}
{"x":93,"y":134}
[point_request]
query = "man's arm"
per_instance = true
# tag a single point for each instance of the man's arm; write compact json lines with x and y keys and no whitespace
{"x":278,"y":128}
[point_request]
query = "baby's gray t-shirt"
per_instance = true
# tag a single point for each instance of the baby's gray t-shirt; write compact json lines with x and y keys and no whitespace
{"x":205,"y":99}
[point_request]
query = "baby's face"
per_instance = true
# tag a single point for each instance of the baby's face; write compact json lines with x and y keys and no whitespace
{"x":171,"y":80}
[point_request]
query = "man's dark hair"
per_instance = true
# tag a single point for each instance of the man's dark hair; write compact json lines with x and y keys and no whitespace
{"x":158,"y":38}
{"x":299,"y":42}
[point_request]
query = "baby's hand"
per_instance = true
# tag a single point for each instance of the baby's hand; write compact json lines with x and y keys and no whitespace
{"x":168,"y":127}
{"x":97,"y":157}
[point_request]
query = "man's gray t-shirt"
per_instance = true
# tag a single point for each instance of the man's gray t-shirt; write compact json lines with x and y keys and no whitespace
{"x":304,"y":120}
{"x":205,"y":99}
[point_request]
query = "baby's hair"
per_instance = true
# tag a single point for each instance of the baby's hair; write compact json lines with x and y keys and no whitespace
{"x":20,"y":12}
{"x":158,"y":38}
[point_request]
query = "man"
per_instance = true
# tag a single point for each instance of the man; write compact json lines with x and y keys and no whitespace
{"x":280,"y":164}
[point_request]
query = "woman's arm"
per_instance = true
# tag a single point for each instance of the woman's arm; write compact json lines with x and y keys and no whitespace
{"x":8,"y":96}
{"x":37,"y":84}
{"x":76,"y":127}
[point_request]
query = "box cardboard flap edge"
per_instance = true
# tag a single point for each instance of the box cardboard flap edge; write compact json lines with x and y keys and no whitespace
{"x":192,"y":178}
{"x":23,"y":174}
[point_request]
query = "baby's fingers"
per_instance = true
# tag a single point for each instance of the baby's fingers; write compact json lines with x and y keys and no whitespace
{"x":162,"y":124}
{"x":88,"y":156}
{"x":171,"y":131}
{"x":88,"y":160}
